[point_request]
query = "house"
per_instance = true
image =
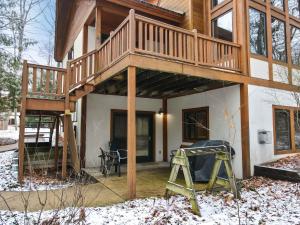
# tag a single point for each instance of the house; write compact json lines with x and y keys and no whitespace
{"x":154,"y":75}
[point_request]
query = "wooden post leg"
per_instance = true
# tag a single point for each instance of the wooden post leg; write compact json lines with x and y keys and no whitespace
{"x":131,"y":133}
{"x":65,"y":148}
{"x":214,"y":174}
{"x":231,"y":179}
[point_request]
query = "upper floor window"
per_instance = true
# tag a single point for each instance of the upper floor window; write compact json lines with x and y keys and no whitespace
{"x":195,"y":124}
{"x":294,"y":8}
{"x":282,"y":130}
{"x":216,"y":2}
{"x":71,"y":53}
{"x":258,"y":35}
{"x":286,"y":129}
{"x":222,"y":27}
{"x":278,"y":4}
{"x":278,"y":40}
{"x":295,"y":45}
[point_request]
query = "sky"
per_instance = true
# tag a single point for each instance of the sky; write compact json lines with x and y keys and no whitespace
{"x":41,"y":30}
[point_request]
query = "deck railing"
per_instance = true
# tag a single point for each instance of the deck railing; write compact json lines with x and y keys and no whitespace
{"x":160,"y":39}
{"x":44,"y":81}
{"x":139,"y":34}
{"x":95,"y":61}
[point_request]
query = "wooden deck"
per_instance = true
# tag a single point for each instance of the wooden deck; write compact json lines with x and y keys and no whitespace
{"x":138,"y":42}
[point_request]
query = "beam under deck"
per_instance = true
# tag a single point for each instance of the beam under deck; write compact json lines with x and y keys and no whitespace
{"x":34,"y":104}
{"x":161,"y":64}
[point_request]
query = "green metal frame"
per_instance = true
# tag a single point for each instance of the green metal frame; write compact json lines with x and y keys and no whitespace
{"x":181,"y":160}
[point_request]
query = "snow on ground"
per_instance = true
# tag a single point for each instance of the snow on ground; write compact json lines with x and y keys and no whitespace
{"x":290,"y":162}
{"x":10,"y":133}
{"x":264,"y":202}
{"x":8,"y":178}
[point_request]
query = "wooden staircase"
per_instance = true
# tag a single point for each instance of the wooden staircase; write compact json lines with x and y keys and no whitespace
{"x":46,"y":94}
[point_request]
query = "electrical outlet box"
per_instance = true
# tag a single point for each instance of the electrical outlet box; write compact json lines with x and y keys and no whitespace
{"x":264,"y":137}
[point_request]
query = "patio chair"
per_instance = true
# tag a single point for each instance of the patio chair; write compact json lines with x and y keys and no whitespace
{"x":112,"y":158}
{"x":119,"y":153}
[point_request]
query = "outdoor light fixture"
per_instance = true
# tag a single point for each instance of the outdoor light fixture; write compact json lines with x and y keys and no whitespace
{"x":161,"y":111}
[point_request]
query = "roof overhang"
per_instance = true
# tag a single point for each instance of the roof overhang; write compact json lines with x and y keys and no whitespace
{"x":72,"y":15}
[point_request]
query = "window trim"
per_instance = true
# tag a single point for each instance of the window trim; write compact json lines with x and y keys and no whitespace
{"x":289,"y":20}
{"x":206,"y":108}
{"x":285,"y":40}
{"x":292,"y":130}
{"x":266,"y":34}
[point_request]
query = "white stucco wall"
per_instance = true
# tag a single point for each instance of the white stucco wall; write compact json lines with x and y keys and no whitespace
{"x":98,"y":123}
{"x":224,"y":118}
{"x":259,"y":68}
{"x":261,"y":100}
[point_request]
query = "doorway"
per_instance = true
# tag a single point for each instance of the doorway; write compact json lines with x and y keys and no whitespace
{"x":145,"y":133}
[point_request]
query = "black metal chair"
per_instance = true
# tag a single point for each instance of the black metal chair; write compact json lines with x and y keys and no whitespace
{"x":112,"y":158}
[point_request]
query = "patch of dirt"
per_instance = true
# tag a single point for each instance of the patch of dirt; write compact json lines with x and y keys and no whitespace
{"x":290,"y":162}
{"x":7,"y":141}
{"x":257,"y":182}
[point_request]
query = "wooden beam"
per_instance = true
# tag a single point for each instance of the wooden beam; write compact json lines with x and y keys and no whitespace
{"x":22,"y":122}
{"x":47,"y":105}
{"x":150,"y":10}
{"x":73,"y":146}
{"x":165,"y":129}
{"x":84,"y":105}
{"x":131,"y":133}
{"x":98,"y":25}
{"x":66,"y":121}
{"x":65,"y":147}
{"x":241,"y":36}
{"x":83,"y":131}
{"x":56,"y":153}
{"x":245,"y":130}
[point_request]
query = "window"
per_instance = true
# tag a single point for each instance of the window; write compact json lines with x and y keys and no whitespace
{"x":222,"y":27}
{"x":258,"y":35}
{"x":216,"y":2}
{"x":286,"y":120}
{"x":294,"y":8}
{"x":278,"y":4}
{"x":278,"y":40}
{"x":297,"y":128}
{"x":195,"y":125}
{"x":295,"y":45}
{"x":71,"y":53}
{"x":282,"y":130}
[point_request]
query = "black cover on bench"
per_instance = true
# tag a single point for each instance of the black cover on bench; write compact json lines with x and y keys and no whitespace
{"x":201,"y":166}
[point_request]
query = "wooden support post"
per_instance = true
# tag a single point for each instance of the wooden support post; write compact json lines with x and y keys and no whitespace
{"x":22,"y":122}
{"x":245,"y":130}
{"x":241,"y":36}
{"x":83,"y":106}
{"x":73,"y":146}
{"x":66,"y":125}
{"x":98,"y":25}
{"x":165,"y":129}
{"x":56,"y":153}
{"x":131,"y":133}
{"x":65,"y":148}
{"x":269,"y":38}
